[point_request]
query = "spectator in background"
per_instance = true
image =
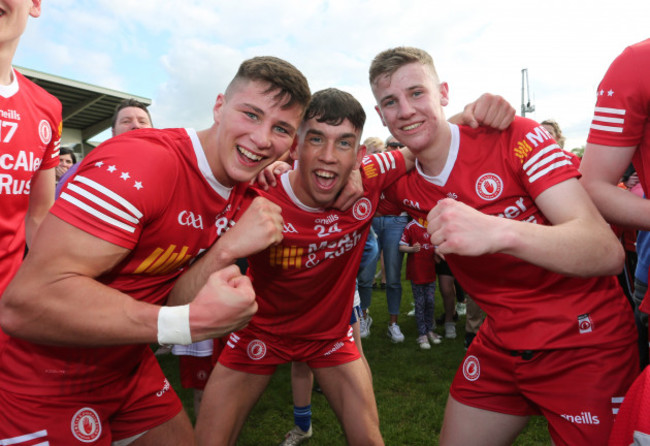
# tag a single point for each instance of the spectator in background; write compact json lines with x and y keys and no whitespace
{"x":554,"y":129}
{"x":389,"y":223}
{"x":368,"y":266}
{"x":365,"y":280}
{"x":130,"y":114}
{"x":66,"y":159}
{"x":374,"y":145}
{"x":420,"y":270}
{"x":449,"y":292}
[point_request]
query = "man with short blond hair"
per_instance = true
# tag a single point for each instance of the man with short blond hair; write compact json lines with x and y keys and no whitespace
{"x":522,"y":237}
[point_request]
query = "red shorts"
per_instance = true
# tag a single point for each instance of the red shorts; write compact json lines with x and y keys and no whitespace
{"x":577,"y":390}
{"x":128,"y":409}
{"x":633,"y":420}
{"x":194,"y":371}
{"x":258,"y":352}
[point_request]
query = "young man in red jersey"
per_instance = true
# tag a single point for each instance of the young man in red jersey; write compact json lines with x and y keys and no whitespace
{"x":30,"y":137}
{"x":620,"y":135}
{"x":301,"y":316}
{"x":139,"y":209}
{"x":522,"y":237}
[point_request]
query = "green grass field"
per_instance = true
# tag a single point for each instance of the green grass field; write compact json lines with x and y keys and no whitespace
{"x":411,"y":388}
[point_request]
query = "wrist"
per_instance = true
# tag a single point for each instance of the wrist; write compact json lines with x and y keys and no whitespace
{"x":174,"y":325}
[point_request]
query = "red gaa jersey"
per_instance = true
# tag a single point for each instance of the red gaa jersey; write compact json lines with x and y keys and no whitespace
{"x":30,"y":137}
{"x":421,"y":265}
{"x":623,"y":107}
{"x":500,"y":173}
{"x":305,"y":285}
{"x":150,"y":191}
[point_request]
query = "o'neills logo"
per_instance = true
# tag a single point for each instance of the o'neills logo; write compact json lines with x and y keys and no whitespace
{"x":86,"y":426}
{"x":583,"y":418}
{"x":489,"y":186}
{"x":362,"y":209}
{"x":471,"y":368}
{"x":256,"y":350}
{"x":326,"y":221}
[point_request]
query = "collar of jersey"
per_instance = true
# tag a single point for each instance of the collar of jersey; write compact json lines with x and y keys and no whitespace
{"x":442,"y":177}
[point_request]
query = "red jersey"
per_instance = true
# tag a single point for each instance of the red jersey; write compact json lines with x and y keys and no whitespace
{"x":527,"y":307}
{"x":632,"y":425}
{"x":421,"y":265}
{"x":623,"y":107}
{"x":150,"y":191}
{"x":305,"y":285}
{"x":30,"y":135}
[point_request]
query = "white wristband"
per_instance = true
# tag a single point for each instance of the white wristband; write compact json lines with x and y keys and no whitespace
{"x":174,"y":325}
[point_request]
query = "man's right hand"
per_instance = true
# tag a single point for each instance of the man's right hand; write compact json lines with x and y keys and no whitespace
{"x":259,"y":227}
{"x":226,"y":303}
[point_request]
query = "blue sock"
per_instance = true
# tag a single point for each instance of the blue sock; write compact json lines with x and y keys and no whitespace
{"x":302,"y":417}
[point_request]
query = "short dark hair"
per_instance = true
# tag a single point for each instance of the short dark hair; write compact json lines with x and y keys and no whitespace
{"x":128,"y":102}
{"x":68,"y":151}
{"x":291,"y":85}
{"x":333,"y":106}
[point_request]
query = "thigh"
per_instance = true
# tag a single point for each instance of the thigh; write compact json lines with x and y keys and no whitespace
{"x":176,"y":432}
{"x":485,"y":428}
{"x":348,"y":388}
{"x":228,"y":399}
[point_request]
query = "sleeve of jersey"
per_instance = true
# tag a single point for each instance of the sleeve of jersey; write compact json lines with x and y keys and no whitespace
{"x":623,"y":100}
{"x":118,"y":189}
{"x":380,"y":170}
{"x":55,"y":122}
{"x":248,"y":195}
{"x":536,"y":158}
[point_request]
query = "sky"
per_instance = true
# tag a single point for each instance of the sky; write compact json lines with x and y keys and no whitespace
{"x":182,"y":54}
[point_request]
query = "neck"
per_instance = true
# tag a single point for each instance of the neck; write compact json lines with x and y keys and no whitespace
{"x":433,"y":158}
{"x":208,"y":140}
{"x":7,"y":51}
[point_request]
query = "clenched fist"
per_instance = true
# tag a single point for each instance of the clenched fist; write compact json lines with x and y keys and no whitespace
{"x":225,"y":303}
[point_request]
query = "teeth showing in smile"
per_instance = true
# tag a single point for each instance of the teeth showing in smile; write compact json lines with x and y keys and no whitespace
{"x":323,"y":174}
{"x":250,"y":155}
{"x":412,"y":126}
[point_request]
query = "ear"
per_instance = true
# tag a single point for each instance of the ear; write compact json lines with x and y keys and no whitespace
{"x":381,"y":116}
{"x":361,"y":152}
{"x":218,"y":106}
{"x":35,"y":10}
{"x":293,"y":150}
{"x":444,"y":93}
